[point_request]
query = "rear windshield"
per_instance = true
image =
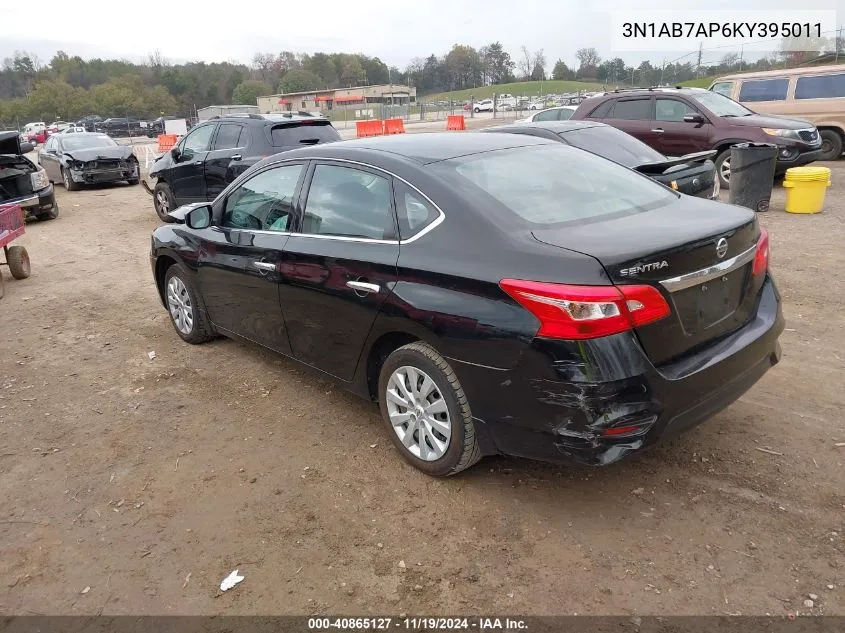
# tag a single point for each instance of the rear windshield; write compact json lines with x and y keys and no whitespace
{"x":553,"y":183}
{"x":309,"y":133}
{"x":613,"y":144}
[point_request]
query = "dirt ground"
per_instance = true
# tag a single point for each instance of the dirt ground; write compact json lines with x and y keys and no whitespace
{"x":134,"y":486}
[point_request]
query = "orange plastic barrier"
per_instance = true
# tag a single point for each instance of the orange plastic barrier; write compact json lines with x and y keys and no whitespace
{"x":166,"y":142}
{"x":394,"y":126}
{"x":456,"y":122}
{"x":364,"y":129}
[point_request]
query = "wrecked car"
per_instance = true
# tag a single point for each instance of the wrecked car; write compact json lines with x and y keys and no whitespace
{"x":22,"y":181}
{"x":87,"y":158}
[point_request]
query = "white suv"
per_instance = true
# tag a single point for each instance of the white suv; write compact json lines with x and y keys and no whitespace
{"x":483,"y":106}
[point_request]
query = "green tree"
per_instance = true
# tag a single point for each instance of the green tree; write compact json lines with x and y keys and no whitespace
{"x":561,"y":71}
{"x":247,"y":92}
{"x":299,"y":81}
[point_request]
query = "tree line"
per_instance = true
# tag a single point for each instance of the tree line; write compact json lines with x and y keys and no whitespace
{"x":69,"y":87}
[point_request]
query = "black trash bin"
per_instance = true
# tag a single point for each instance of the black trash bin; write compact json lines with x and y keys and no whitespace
{"x":752,"y":174}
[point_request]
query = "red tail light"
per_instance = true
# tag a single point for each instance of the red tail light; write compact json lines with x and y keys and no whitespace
{"x":583,"y":312}
{"x":761,"y":257}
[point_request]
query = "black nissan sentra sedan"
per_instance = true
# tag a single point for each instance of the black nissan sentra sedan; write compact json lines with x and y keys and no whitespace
{"x":495,"y":293}
{"x":693,"y":174}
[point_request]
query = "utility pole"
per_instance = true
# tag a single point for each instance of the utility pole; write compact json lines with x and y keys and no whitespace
{"x":662,"y":68}
{"x":698,"y":66}
{"x":741,"y":53}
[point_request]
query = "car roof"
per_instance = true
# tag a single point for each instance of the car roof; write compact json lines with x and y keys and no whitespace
{"x":421,"y":148}
{"x":558,"y":127}
{"x":272,"y":117}
{"x":784,"y":72}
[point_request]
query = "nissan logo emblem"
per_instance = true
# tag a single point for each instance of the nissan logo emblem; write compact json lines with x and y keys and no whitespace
{"x":722,"y":248}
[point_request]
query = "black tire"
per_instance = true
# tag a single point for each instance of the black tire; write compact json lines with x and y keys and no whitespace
{"x":68,"y":181}
{"x":463,"y":450}
{"x":18,"y":260}
{"x":2,"y":285}
{"x":201,"y":330}
{"x":52,"y":214}
{"x":831,"y":145}
{"x":161,"y":196}
{"x":476,"y":110}
{"x":724,"y":155}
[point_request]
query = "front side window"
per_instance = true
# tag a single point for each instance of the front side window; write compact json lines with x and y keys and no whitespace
{"x":764,"y":90}
{"x":725,"y":88}
{"x":550,"y":184}
{"x":821,"y":87}
{"x":671,"y":110}
{"x":265,"y":201}
{"x":632,"y":110}
{"x":348,"y":202}
{"x":198,"y":140}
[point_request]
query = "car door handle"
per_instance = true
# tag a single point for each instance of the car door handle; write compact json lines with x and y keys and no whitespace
{"x":659,"y":130}
{"x":363,"y":286}
{"x":237,"y":157}
{"x":266,"y":266}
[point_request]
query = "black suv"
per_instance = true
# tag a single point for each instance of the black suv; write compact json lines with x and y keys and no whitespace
{"x":217,"y":151}
{"x":678,"y":121}
{"x":119,"y":126}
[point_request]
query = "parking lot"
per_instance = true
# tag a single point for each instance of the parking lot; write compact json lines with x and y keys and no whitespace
{"x":132,"y":485}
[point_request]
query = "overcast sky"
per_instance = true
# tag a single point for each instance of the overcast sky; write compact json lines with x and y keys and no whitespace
{"x":394,"y":30}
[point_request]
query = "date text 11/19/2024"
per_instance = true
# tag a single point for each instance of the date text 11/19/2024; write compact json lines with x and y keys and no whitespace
{"x":416,"y":624}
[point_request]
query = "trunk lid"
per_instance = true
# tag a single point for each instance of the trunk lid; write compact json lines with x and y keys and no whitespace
{"x":674,"y":249}
{"x":10,"y":143}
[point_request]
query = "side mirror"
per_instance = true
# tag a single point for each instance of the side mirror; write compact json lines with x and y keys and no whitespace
{"x":695,"y":117}
{"x":175,"y":153}
{"x":27,"y":147}
{"x":199,"y":218}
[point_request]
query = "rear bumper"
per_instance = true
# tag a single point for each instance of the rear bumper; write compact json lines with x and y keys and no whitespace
{"x":558,"y":403}
{"x":38,"y":202}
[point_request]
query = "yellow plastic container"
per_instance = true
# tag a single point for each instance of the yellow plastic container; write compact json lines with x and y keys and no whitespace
{"x":805,"y":188}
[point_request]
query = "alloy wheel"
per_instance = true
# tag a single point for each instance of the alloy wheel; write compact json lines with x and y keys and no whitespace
{"x":725,"y":170}
{"x":418,"y":413}
{"x":66,"y":178}
{"x":163,"y":203}
{"x":179,"y":304}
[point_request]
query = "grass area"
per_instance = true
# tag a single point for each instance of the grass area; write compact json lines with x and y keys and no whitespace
{"x":701,"y":82}
{"x":517,"y":89}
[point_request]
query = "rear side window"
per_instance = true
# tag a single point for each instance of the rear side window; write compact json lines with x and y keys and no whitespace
{"x":550,"y":184}
{"x":822,"y":87}
{"x":303,"y":134}
{"x":602,"y":111}
{"x":413,"y":210}
{"x":764,"y":90}
{"x":228,"y":136}
{"x":632,"y":110}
